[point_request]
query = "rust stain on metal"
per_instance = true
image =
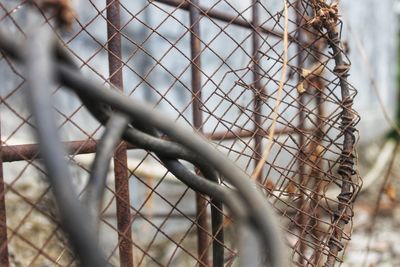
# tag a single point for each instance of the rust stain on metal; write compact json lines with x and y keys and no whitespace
{"x":3,"y":215}
{"x":258,"y":101}
{"x":120,"y":158}
{"x":201,"y":202}
{"x":27,"y":152}
{"x":305,"y":132}
{"x":223,"y":16}
{"x":302,"y":206}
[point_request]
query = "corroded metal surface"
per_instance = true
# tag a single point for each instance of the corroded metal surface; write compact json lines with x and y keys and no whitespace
{"x":215,"y":66}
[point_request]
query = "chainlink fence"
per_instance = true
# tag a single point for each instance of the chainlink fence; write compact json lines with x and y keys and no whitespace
{"x":261,"y":82}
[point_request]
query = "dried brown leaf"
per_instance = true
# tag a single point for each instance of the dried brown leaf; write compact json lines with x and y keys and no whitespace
{"x":390,"y":192}
{"x":291,"y":188}
{"x":270,"y":185}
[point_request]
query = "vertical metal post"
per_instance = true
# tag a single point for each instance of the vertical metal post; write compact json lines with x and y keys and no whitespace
{"x":316,"y":173}
{"x":257,"y":87}
{"x":120,"y":158}
{"x":302,"y":221}
{"x":3,"y":219}
{"x":201,"y":203}
{"x":319,"y":186}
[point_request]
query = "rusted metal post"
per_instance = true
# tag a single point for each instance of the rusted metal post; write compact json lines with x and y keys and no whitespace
{"x":120,"y":158}
{"x":317,"y":174}
{"x":195,"y":49}
{"x":213,"y":13}
{"x":344,"y":212}
{"x":257,"y":88}
{"x":11,"y":153}
{"x":303,"y":180}
{"x":316,"y":153}
{"x":3,"y":218}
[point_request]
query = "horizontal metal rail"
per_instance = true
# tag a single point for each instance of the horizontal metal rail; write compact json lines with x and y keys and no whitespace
{"x":223,"y":16}
{"x":11,"y":153}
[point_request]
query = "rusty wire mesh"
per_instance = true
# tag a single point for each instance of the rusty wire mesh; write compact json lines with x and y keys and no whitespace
{"x":216,"y":66}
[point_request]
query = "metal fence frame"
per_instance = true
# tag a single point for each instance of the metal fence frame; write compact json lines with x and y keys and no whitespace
{"x":29,"y":152}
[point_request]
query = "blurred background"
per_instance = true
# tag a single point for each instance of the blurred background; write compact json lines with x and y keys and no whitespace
{"x":373,"y":33}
